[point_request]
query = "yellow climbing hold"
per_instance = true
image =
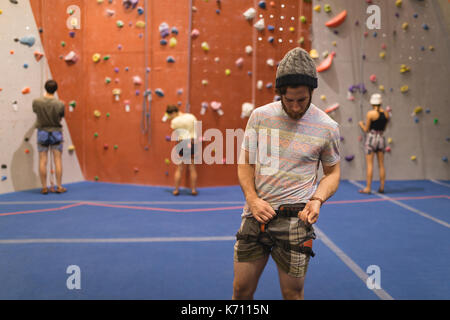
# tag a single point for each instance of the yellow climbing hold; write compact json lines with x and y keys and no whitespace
{"x":398,"y":3}
{"x":314,"y":54}
{"x":205,"y":46}
{"x":167,"y":161}
{"x":418,"y":110}
{"x":96,"y":57}
{"x":381,"y":88}
{"x":97,"y":114}
{"x":227,"y":72}
{"x":405,"y":25}
{"x":317,"y":8}
{"x":404,"y":89}
{"x":382,"y":55}
{"x":404,"y":68}
{"x":389,"y":140}
{"x":172,"y":42}
{"x":140,"y":24}
{"x":413,"y":158}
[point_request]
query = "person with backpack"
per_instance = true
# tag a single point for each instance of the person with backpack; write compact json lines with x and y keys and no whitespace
{"x":49,"y":112}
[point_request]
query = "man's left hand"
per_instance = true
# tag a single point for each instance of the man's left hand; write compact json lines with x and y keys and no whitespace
{"x":310,"y":212}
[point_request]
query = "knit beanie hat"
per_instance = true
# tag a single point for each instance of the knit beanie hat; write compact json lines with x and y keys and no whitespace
{"x":295,"y":69}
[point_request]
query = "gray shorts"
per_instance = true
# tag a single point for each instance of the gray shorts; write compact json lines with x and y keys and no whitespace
{"x":375,"y":142}
{"x":282,"y":237}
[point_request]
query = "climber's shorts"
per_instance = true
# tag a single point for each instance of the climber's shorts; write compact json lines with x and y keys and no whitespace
{"x":42,"y":148}
{"x":283,"y":238}
{"x":375,"y":142}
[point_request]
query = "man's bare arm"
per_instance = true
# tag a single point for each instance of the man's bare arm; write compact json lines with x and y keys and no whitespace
{"x":260,"y":209}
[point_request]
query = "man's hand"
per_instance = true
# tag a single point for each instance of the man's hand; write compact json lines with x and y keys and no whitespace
{"x":310,"y":212}
{"x":261,"y":210}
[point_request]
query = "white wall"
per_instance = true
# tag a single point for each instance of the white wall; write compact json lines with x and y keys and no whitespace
{"x":17,"y":21}
{"x":428,"y":83}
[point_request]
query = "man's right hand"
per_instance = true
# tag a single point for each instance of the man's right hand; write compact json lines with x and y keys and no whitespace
{"x":261,"y":210}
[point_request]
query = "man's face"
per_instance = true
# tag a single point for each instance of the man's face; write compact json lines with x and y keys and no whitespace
{"x":296,"y":101}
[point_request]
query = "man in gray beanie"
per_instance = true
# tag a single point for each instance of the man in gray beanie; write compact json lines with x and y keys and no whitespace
{"x":284,"y":143}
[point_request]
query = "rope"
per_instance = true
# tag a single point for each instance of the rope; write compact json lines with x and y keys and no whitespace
{"x":188,"y":93}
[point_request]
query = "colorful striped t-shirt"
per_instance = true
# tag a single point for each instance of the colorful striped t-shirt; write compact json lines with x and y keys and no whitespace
{"x":287,"y":152}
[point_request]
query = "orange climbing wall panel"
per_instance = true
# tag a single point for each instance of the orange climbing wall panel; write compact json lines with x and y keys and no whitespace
{"x":141,"y":146}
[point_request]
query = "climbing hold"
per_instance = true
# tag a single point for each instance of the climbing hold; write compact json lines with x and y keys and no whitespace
{"x":119,"y":23}
{"x":405,"y":26}
{"x":4,"y":178}
{"x":174,"y":30}
{"x":130,"y":4}
{"x":389,"y":140}
{"x":96,"y":57}
{"x":140,"y":24}
{"x":332,"y":108}
{"x":116,"y":93}
{"x":247,"y":109}
{"x":106,"y":58}
{"x":270,"y":62}
{"x":95,"y":135}
{"x":97,"y":113}
{"x":404,"y":68}
{"x":172,"y":42}
{"x":204,"y":107}
{"x":413,"y":158}
{"x":71,"y":57}
{"x":260,"y":25}
{"x":349,"y":158}
{"x":387,"y":149}
{"x":137,"y":81}
{"x":337,"y":20}
{"x":259,"y":84}
{"x":239,"y":62}
{"x":323,"y":97}
{"x":27,"y":151}
{"x":435,"y":120}
{"x":418,"y":110}
{"x":167,"y":161}
{"x":164,"y":29}
{"x":317,"y":8}
{"x":71,"y":148}
{"x":159,"y":92}
{"x":262,"y":4}
{"x":96,"y":178}
{"x":217,"y":106}
{"x":425,"y":27}
{"x":72,"y":104}
{"x":373,"y":78}
{"x":445,"y":159}
{"x":195,"y":33}
{"x":26,"y":90}
{"x":398,"y":3}
{"x":38,"y":55}
{"x":205,"y":82}
{"x":170,"y":59}
{"x":314,"y":54}
{"x":28,"y":41}
{"x":250,"y":14}
{"x":327,"y":8}
{"x":303,"y":19}
{"x":205,"y":46}
{"x":404,"y":89}
{"x":127,"y":105}
{"x":326,"y":64}
{"x":382,"y":55}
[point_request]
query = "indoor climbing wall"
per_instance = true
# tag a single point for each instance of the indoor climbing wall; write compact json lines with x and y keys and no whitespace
{"x":24,"y":70}
{"x":236,"y":46}
{"x":120,"y":63}
{"x":403,"y":54}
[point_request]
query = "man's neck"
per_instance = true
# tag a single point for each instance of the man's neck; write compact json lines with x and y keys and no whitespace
{"x":48,"y":95}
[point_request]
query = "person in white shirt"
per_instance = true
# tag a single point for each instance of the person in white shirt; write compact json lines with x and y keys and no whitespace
{"x":184,"y":125}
